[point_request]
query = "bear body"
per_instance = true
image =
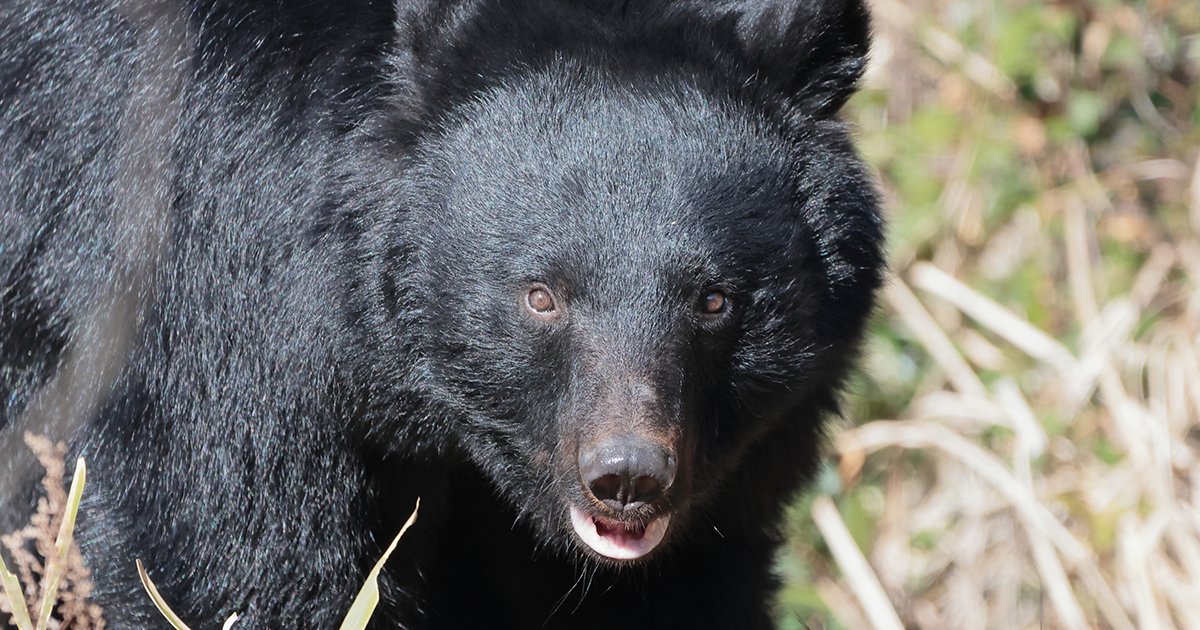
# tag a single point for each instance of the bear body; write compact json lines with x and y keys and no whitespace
{"x":584,"y":277}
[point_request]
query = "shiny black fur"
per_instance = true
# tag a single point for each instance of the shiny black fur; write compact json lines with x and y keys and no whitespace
{"x":264,"y":262}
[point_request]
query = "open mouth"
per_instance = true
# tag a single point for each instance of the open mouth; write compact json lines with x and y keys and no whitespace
{"x":617,"y":540}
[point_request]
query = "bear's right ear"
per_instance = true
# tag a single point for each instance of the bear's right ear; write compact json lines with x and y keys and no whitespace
{"x":813,"y":51}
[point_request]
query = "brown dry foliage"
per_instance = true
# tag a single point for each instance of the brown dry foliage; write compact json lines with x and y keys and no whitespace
{"x":31,"y":546}
{"x":1026,"y":442}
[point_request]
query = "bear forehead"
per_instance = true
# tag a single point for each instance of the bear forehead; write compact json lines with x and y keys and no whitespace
{"x":631,"y":127}
{"x":558,"y":144}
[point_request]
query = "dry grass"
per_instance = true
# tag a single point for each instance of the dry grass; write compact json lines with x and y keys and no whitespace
{"x":1038,"y":358}
{"x":45,"y":558}
{"x":1106,"y":539}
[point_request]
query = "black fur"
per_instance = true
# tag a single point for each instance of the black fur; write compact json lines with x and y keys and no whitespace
{"x":265,"y":260}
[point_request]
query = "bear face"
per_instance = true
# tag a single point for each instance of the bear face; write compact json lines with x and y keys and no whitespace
{"x":624,"y":278}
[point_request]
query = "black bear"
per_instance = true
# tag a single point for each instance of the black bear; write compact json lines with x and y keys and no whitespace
{"x":583,"y":275}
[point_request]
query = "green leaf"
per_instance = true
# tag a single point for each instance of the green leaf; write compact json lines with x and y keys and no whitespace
{"x":1085,"y":110}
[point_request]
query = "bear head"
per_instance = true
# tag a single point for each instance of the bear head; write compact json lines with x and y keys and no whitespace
{"x":611,"y":246}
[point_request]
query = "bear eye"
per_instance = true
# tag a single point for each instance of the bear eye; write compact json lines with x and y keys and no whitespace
{"x":540,"y":301}
{"x":714,"y":303}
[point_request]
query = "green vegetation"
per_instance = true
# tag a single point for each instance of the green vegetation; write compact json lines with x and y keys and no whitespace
{"x":1023,"y":446}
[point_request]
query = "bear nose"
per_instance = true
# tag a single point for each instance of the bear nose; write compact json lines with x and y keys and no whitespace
{"x":627,"y":472}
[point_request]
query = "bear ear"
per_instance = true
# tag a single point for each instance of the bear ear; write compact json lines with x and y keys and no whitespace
{"x":815,"y":51}
{"x":425,"y":36}
{"x":421,"y":25}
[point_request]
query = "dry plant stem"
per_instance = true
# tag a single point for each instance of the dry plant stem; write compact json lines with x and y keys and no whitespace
{"x":1153,"y":274}
{"x":1102,"y":337}
{"x":1031,"y":439}
{"x":1079,"y":267}
{"x":162,"y":606}
{"x":157,"y":598}
{"x":932,"y":337}
{"x":858,"y":572}
{"x":991,"y":315}
{"x":1180,"y":593}
{"x":368,"y":596}
{"x":1134,"y":558}
{"x":1040,"y":526}
{"x":57,"y":566}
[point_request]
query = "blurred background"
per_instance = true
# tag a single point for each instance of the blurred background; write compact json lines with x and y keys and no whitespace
{"x":1022,"y":447}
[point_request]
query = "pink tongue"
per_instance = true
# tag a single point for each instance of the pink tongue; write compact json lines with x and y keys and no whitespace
{"x":618,"y":531}
{"x":613,"y":540}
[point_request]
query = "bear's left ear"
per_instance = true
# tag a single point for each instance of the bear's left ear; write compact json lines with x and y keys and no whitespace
{"x":814,"y":51}
{"x":426,"y":39}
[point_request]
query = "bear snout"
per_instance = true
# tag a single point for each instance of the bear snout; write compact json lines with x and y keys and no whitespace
{"x":627,"y":472}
